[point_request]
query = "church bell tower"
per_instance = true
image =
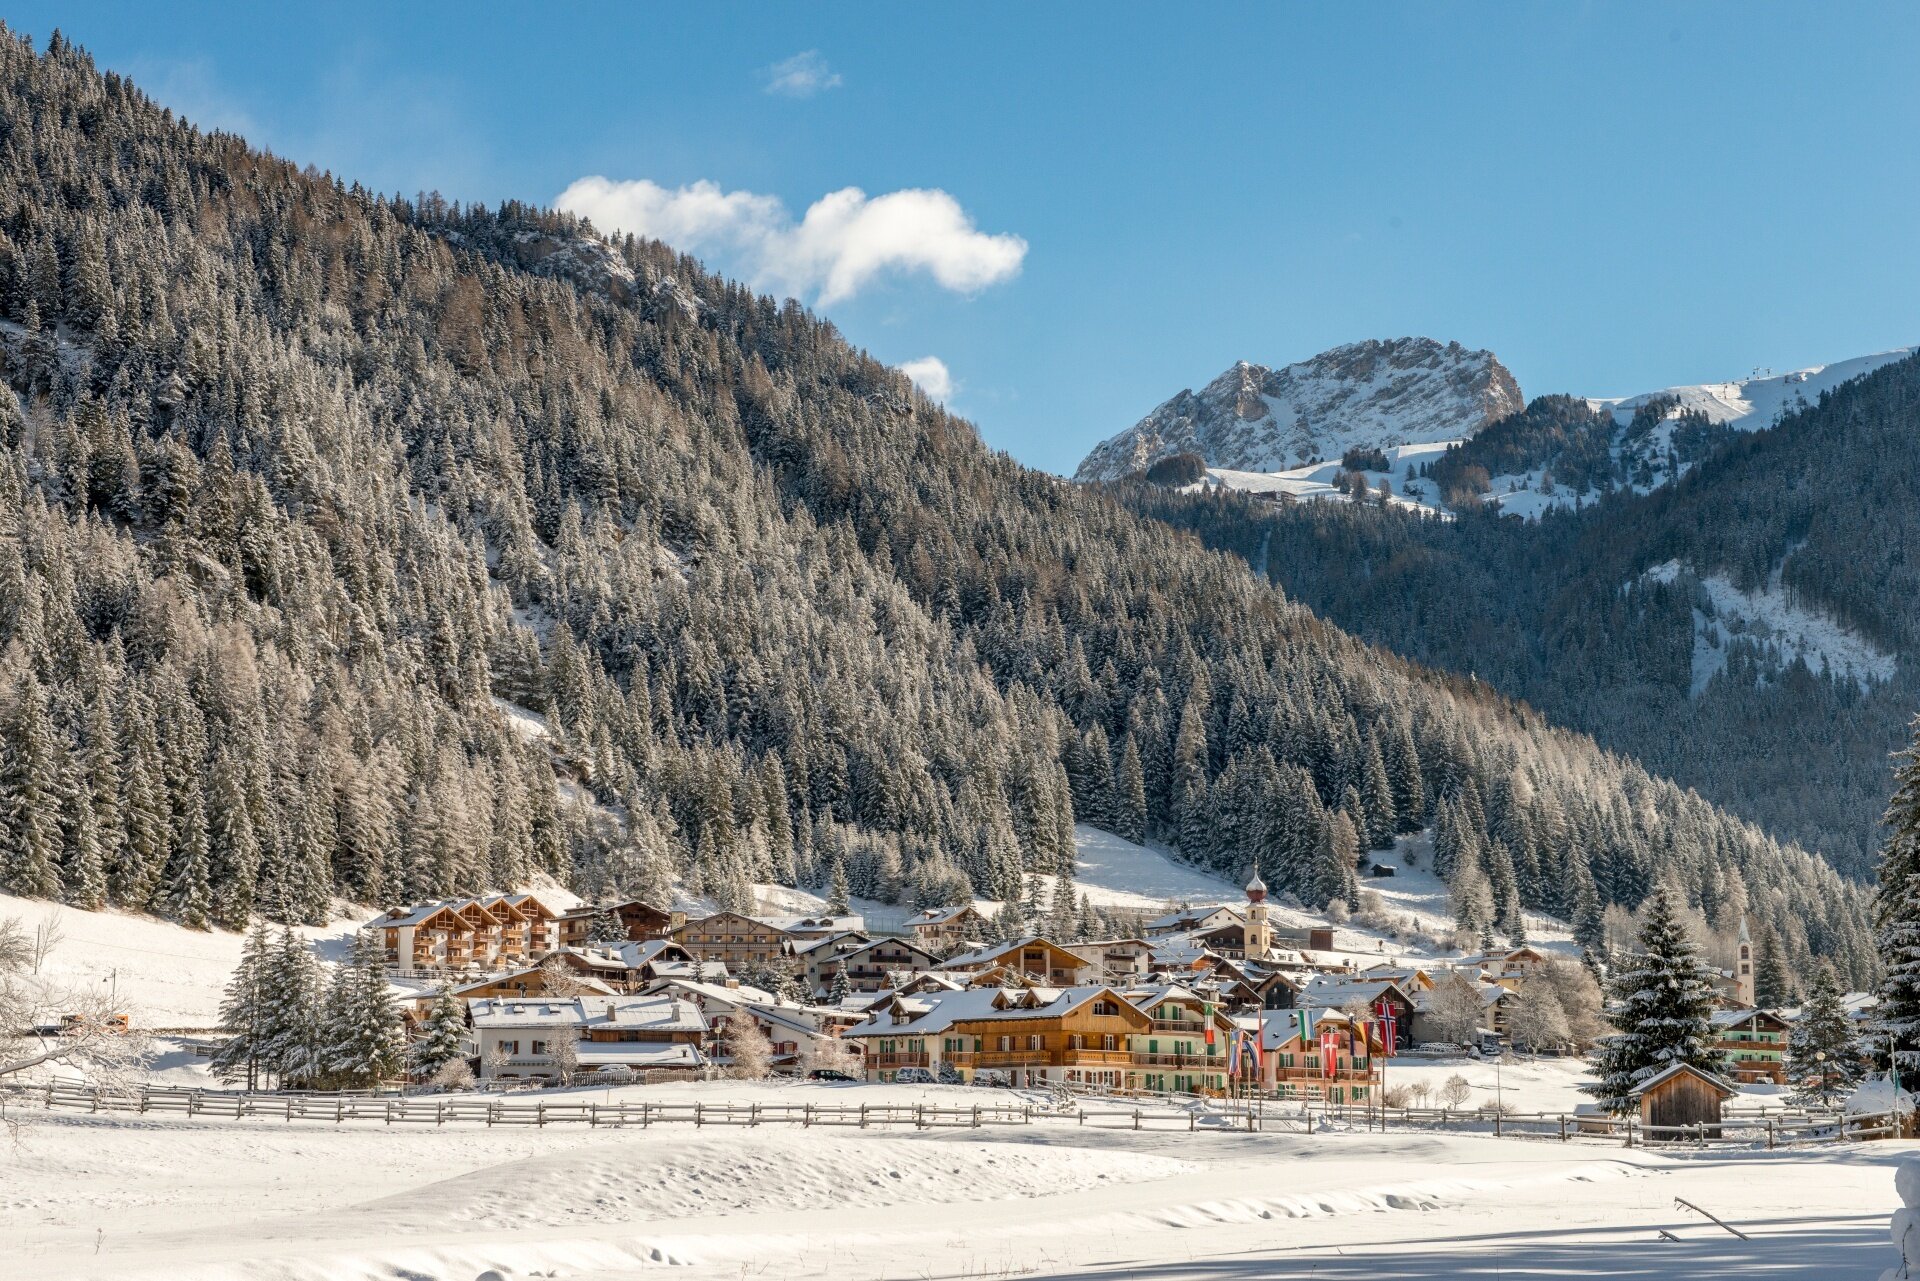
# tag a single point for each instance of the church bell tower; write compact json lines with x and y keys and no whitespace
{"x":1259,"y":931}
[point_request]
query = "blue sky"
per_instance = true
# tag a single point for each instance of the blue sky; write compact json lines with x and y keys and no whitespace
{"x":1611,"y":197}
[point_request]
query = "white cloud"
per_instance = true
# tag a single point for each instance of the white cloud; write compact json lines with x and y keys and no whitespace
{"x":801,"y":76}
{"x":845,"y":240}
{"x":931,"y":375}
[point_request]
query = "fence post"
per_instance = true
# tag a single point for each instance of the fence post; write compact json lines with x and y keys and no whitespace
{"x":863,"y":1116}
{"x":976,"y":1116}
{"x":1563,"y":1127}
{"x":806,"y":1116}
{"x":1496,"y":1121}
{"x":1136,"y":1118}
{"x":698,"y":1118}
{"x":1769,"y":1134}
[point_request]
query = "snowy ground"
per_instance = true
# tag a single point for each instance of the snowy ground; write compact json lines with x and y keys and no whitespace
{"x":164,"y":976}
{"x":82,"y":1196}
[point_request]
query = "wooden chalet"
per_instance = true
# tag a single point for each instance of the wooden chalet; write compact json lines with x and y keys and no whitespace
{"x":1039,"y":959}
{"x":1186,"y":1049}
{"x":1319,"y":1055}
{"x":1752,"y":1045}
{"x":942,"y":929}
{"x":738,"y":940}
{"x":465,"y":935}
{"x":871,"y":965}
{"x":638,"y":921}
{"x":1014,"y":1036}
{"x":1185,"y":919}
{"x":1119,"y":960}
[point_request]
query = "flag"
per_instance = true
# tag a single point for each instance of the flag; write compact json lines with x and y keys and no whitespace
{"x":1233,"y":1055}
{"x":1389,"y":1025}
{"x":1207,"y":1013}
{"x":1306,"y":1028}
{"x":1329,"y":1051}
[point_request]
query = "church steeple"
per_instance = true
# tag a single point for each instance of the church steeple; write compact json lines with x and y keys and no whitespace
{"x":1259,"y":931}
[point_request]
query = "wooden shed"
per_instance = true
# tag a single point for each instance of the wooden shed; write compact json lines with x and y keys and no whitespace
{"x":1681,"y":1095}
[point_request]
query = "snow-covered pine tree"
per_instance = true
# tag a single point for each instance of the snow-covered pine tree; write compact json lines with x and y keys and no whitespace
{"x":1663,"y":1000}
{"x":842,"y":986}
{"x":838,"y":894}
{"x":1896,"y":913}
{"x":362,"y":1038}
{"x":1823,"y":1055}
{"x":290,"y":1012}
{"x":1772,"y":985}
{"x":243,"y":1012}
{"x":441,"y":1040}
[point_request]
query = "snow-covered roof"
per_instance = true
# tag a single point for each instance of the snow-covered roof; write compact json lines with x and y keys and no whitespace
{"x":938,"y":1011}
{"x":637,"y":1054}
{"x":1334,"y":991}
{"x":653,"y":1012}
{"x":1735,"y":1018}
{"x":993,"y":952}
{"x":1188,"y":917}
{"x":814,"y":924}
{"x":741,"y":995}
{"x":941,"y":915}
{"x":1675,"y":1069}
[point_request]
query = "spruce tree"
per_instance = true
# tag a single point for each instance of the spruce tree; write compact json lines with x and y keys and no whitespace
{"x":243,"y":1013}
{"x":1896,"y":911}
{"x":1823,"y":1056}
{"x":442,"y":1040}
{"x":361,"y":1035}
{"x":289,"y":1032}
{"x":1663,"y":1003}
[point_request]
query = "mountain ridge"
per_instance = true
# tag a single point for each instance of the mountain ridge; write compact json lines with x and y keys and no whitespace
{"x":1371,"y":393}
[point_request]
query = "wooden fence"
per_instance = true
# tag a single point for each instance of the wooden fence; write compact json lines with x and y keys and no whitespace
{"x":1244,"y":1115}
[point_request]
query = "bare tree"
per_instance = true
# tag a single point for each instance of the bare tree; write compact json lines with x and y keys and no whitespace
{"x":47,"y":935}
{"x":1456,"y":1009}
{"x":829,"y":1054}
{"x":566,"y":1058}
{"x":1580,"y":999}
{"x":748,"y":1047}
{"x":1455,"y":1091}
{"x":43,"y":1022}
{"x":1538,"y":1022}
{"x":558,"y":979}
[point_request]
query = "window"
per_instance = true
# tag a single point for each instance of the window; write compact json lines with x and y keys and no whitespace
{"x":1006,"y":1043}
{"x":539,"y":1047}
{"x":1035,"y":1042}
{"x":1105,"y":1007}
{"x":1109,"y":1043}
{"x":510,"y":1047}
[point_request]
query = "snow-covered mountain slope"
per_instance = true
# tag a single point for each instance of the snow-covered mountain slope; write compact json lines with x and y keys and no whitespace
{"x":1770,"y":630}
{"x":1649,"y":458}
{"x":1399,"y":483}
{"x":1371,"y":394}
{"x":1753,"y":403}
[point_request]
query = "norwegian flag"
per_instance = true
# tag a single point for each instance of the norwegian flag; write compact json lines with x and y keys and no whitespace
{"x":1389,"y":1026}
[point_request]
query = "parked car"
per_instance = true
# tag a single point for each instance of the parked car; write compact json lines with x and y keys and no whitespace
{"x":913,"y":1076}
{"x":830,"y":1074}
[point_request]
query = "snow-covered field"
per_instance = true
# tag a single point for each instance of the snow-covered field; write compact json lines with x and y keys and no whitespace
{"x":82,"y":1196}
{"x":162,"y":974}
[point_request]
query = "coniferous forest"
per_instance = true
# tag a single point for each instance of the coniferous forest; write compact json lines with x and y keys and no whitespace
{"x":1563,"y":612}
{"x":305,"y":491}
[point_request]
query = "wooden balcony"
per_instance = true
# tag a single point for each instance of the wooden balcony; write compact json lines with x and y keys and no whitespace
{"x":900,"y":1059}
{"x":1096,"y":1058}
{"x":1218,"y":1062}
{"x":1006,"y":1058}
